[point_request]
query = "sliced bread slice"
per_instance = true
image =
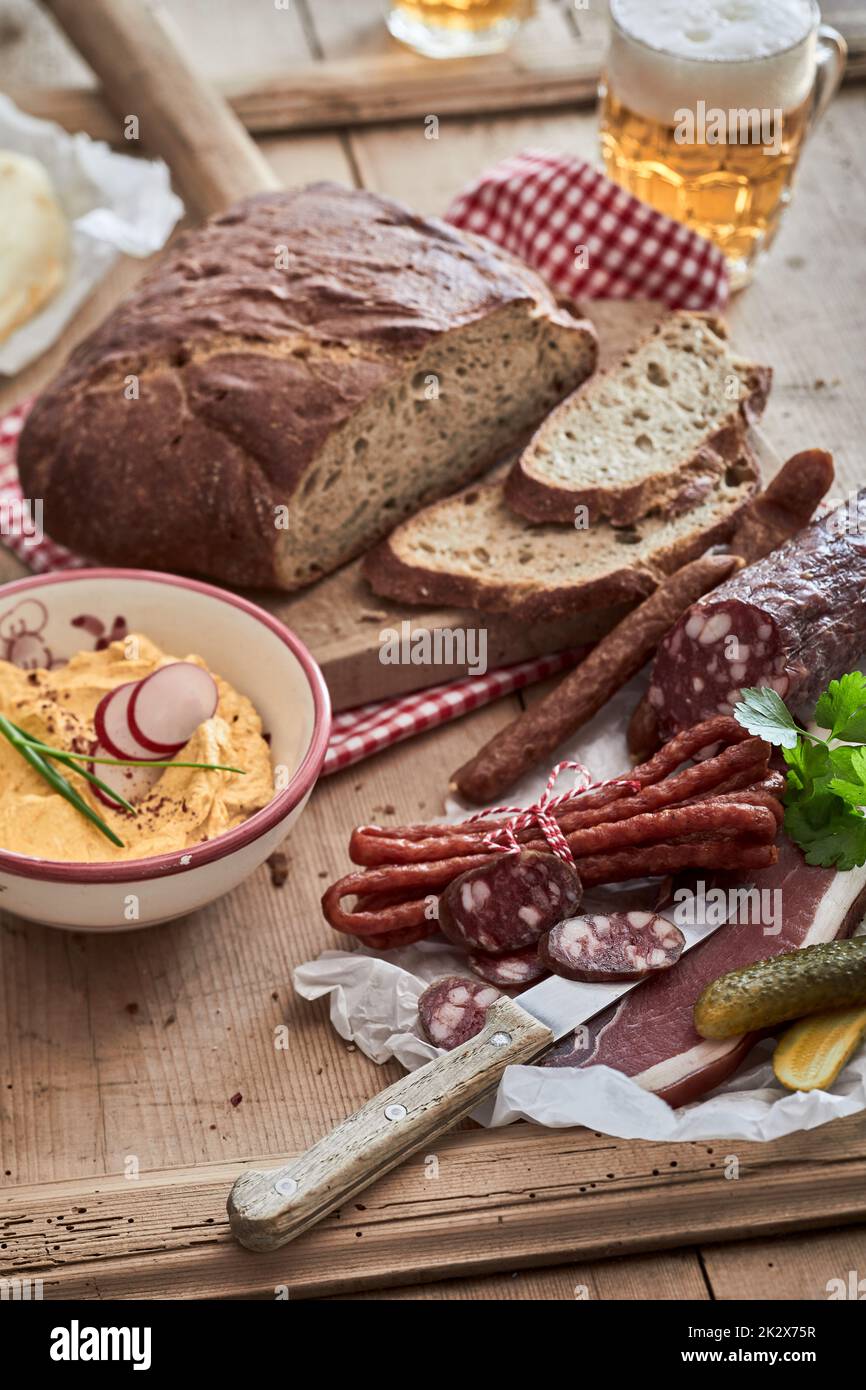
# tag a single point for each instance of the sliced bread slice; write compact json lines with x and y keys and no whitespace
{"x":624,"y":445}
{"x":473,"y":551}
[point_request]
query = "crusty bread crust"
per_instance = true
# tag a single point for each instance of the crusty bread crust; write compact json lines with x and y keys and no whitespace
{"x":390,"y":573}
{"x":392,"y":577}
{"x":202,"y":405}
{"x":536,"y":495}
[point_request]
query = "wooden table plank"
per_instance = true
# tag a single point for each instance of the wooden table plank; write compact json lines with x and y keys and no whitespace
{"x":814,"y":1267}
{"x":666,"y":1275}
{"x":131,"y":1046}
{"x":517,"y":1197}
{"x":95,"y":1082}
{"x":368,"y":78}
{"x":230,"y":42}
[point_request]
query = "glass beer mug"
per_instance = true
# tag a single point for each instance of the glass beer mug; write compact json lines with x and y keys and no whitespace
{"x":705,"y":109}
{"x":456,"y":28}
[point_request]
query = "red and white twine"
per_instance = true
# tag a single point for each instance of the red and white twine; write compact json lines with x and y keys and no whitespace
{"x":540,"y":813}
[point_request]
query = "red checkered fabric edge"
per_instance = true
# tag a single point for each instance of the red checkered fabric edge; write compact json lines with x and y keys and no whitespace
{"x":38,"y":553}
{"x":588,"y":237}
{"x":547,"y":209}
{"x":358,"y":733}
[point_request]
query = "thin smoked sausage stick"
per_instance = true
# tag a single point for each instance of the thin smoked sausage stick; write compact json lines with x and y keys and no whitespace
{"x":534,"y":735}
{"x":785,"y":506}
{"x":643,"y":735}
{"x":739,"y":765}
{"x":720,"y":729}
{"x":409,"y":918}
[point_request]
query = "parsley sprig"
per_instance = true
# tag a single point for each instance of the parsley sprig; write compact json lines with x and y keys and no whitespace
{"x":826,"y":790}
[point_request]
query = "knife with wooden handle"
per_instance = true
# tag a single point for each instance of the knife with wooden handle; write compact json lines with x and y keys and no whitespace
{"x":269,"y":1208}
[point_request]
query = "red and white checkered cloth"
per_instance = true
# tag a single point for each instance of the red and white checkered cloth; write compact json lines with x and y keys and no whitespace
{"x":360,"y":732}
{"x":589,"y":239}
{"x":40,"y":556}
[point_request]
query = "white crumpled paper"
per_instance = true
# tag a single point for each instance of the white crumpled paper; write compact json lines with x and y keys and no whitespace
{"x":373,"y":1003}
{"x":115,"y":204}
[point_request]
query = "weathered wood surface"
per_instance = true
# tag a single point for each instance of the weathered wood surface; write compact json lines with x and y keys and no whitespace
{"x":474,"y":1203}
{"x":555,"y":65}
{"x":132,"y":1049}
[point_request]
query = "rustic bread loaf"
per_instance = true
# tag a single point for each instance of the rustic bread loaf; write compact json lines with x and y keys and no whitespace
{"x":472,"y":550}
{"x":289,"y":382}
{"x":627,"y":443}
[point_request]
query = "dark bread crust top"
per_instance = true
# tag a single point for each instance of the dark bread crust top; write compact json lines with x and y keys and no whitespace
{"x":336,"y":265}
{"x":254,"y":339}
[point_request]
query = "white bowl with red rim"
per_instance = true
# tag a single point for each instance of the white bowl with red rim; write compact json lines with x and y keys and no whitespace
{"x":47,"y":619}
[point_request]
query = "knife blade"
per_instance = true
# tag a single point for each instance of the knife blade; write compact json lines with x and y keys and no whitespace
{"x":268,"y":1208}
{"x":562,"y":1005}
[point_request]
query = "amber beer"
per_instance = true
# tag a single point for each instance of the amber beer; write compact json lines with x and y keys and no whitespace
{"x":705,"y":109}
{"x":456,"y":28}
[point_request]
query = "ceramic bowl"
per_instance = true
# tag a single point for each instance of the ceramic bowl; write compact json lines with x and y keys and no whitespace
{"x":46,"y":620}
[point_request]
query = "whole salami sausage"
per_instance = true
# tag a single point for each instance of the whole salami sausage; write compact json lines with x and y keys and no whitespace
{"x":794,"y":621}
{"x":508,"y":902}
{"x":611,"y":946}
{"x":453,"y":1010}
{"x":517,"y":971}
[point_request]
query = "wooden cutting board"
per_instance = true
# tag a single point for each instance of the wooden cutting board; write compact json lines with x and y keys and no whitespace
{"x":340,"y":619}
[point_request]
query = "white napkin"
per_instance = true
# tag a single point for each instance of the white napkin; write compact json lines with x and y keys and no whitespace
{"x":115,"y":204}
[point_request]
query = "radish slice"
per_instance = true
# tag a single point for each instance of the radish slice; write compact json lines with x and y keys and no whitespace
{"x":111,"y":722}
{"x":134,"y":783}
{"x":166,"y":708}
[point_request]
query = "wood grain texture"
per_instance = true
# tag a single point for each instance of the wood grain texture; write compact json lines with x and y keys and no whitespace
{"x":663,"y":1276}
{"x":361,"y":92}
{"x":212,"y":158}
{"x":472,"y":1203}
{"x":267,"y":1209}
{"x":132,"y":1048}
{"x":368,"y":79}
{"x":813,"y":1267}
{"x":135,"y":1048}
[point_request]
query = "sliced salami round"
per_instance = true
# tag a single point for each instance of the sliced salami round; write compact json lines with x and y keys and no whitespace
{"x":452,"y":1010}
{"x":509,"y":902}
{"x":509,"y":972}
{"x":792,"y":621}
{"x":604,"y":947}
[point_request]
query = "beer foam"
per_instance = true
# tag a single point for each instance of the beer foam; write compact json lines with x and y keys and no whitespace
{"x":672,"y":54}
{"x":721,"y":30}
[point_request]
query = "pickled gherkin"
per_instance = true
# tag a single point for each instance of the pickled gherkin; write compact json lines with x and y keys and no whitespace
{"x":811,"y":980}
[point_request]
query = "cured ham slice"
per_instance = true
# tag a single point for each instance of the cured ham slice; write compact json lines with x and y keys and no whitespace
{"x":650,"y":1035}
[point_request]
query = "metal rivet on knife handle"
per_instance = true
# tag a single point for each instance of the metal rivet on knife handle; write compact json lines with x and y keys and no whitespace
{"x":417,"y":1108}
